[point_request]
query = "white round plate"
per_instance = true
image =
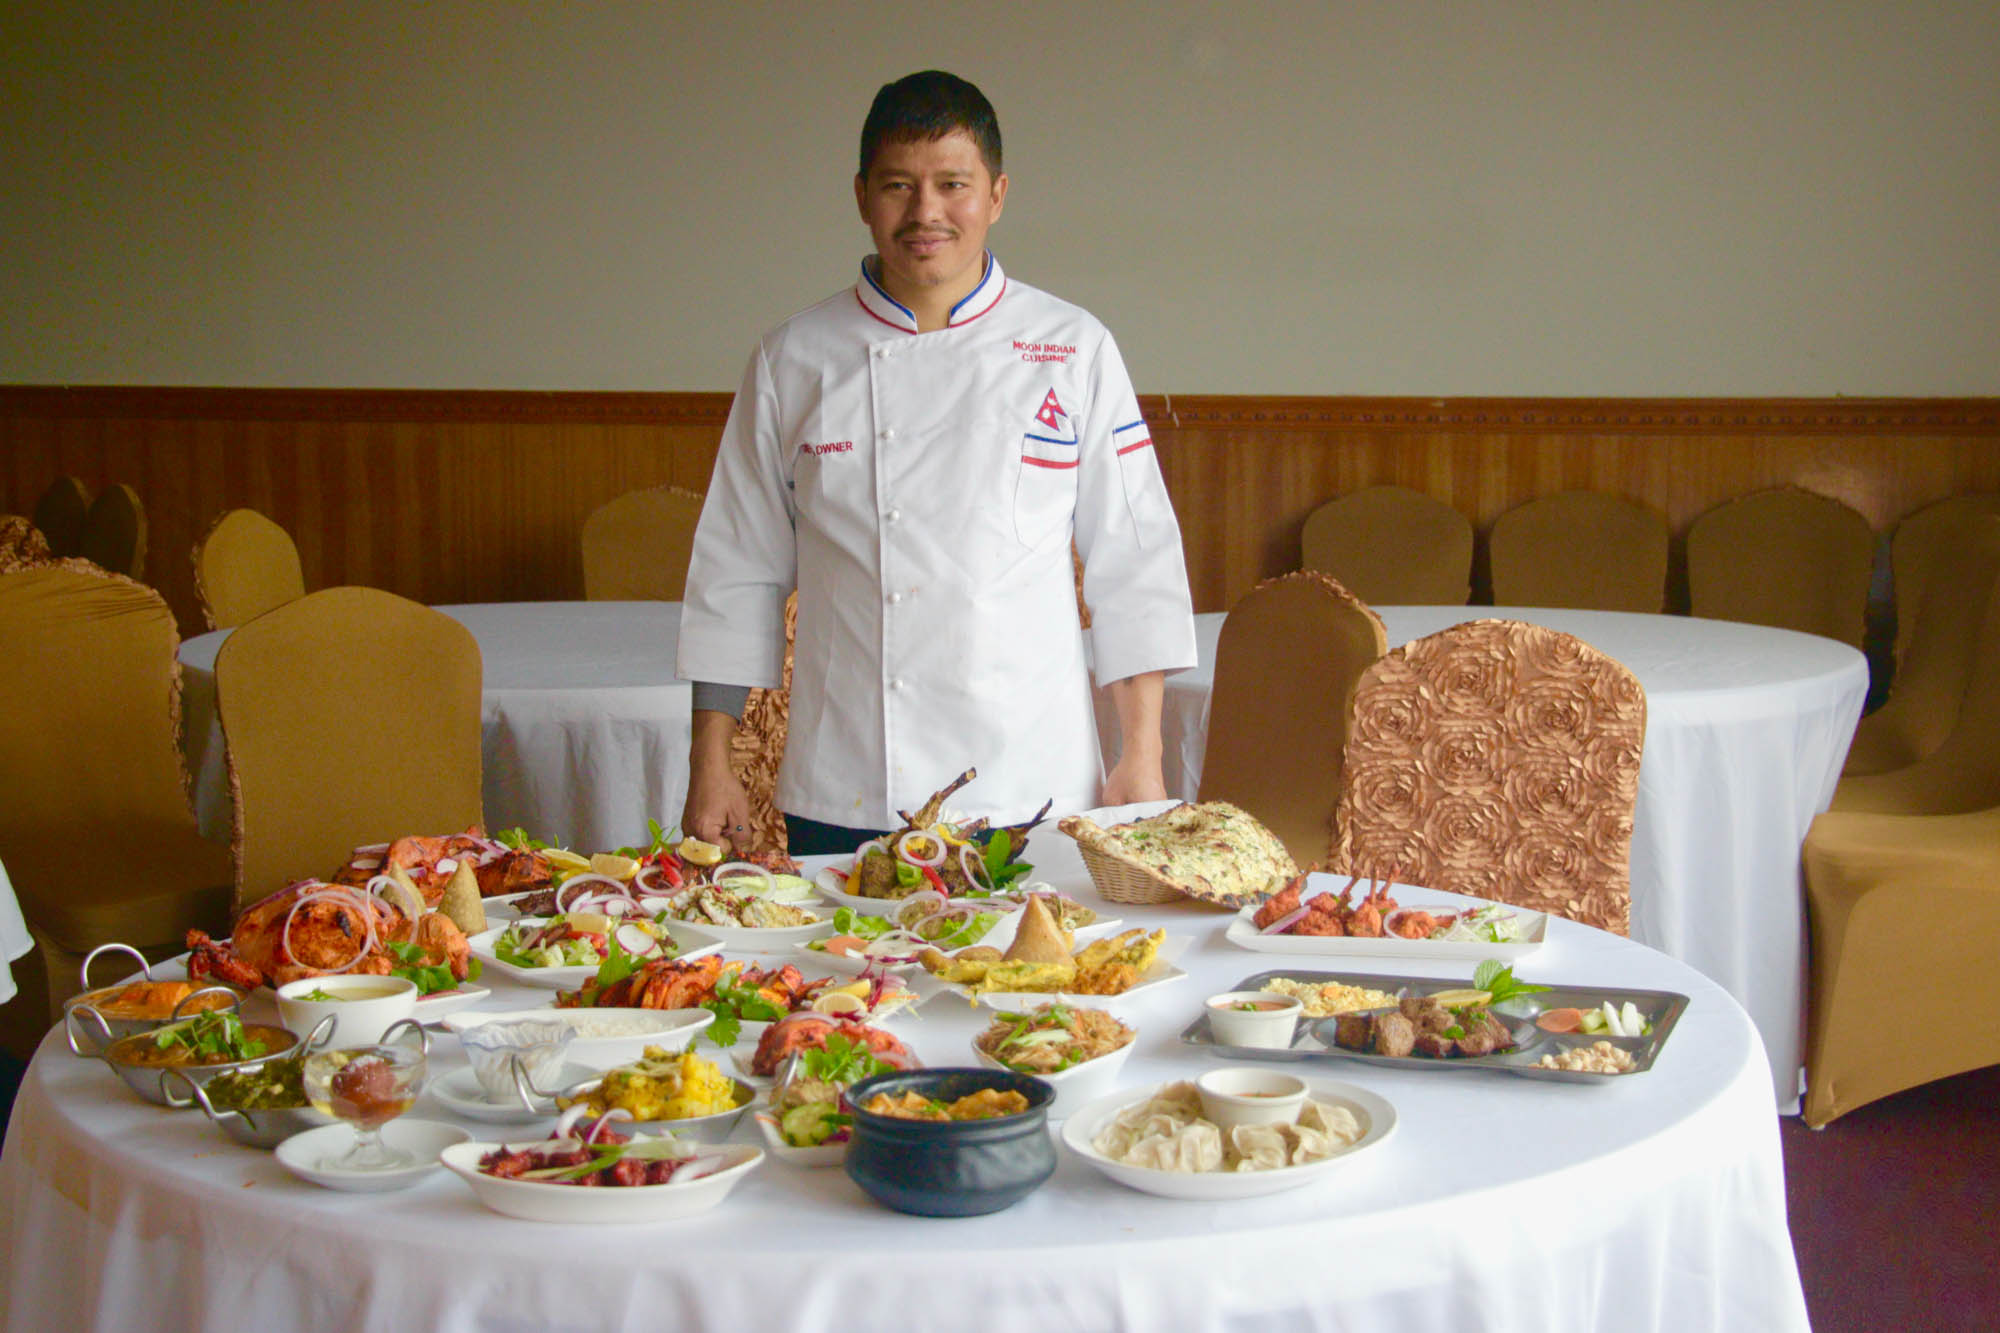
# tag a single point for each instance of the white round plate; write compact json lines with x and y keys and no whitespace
{"x":553,"y":978}
{"x":540,"y":1201}
{"x":826,"y":1154}
{"x":1377,"y":1116}
{"x":747,"y":939}
{"x":460,"y":1093}
{"x":653,"y":1027}
{"x":430,"y":1008}
{"x":307,"y":1155}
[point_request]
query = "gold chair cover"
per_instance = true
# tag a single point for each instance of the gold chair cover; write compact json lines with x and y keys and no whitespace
{"x":96,"y":830}
{"x":1943,"y":618}
{"x":114,"y":532}
{"x":22,"y":544}
{"x":636,"y":547}
{"x":1580,"y":549}
{"x":60,"y":515}
{"x":1786,"y":558}
{"x":244,"y":566}
{"x":1921,"y":539}
{"x":1392,"y":546}
{"x":350,"y":716}
{"x":1963,"y":773}
{"x":1286,"y":665}
{"x":1498,"y":759}
{"x":1905,"y":916}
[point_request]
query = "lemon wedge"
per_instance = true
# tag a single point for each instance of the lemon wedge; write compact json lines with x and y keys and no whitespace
{"x":561,"y":858}
{"x":613,"y":865}
{"x":698,"y":853}
{"x":1458,"y":999}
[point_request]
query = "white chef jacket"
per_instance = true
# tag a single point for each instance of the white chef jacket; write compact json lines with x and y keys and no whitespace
{"x":921,"y":491}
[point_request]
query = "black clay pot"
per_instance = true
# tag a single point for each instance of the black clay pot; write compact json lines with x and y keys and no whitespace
{"x":958,"y":1168}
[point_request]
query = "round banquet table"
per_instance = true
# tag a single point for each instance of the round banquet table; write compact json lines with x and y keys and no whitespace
{"x":1654,"y":1202}
{"x":1746,"y":730}
{"x":14,"y":937}
{"x":586,"y":725}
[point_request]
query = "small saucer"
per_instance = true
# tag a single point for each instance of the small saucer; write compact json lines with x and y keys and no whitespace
{"x":460,"y":1093}
{"x":306,"y":1155}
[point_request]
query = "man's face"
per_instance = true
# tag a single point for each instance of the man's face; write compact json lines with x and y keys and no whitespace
{"x":928,"y":203}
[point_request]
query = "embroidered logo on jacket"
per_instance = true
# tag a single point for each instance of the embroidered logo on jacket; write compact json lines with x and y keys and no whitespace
{"x":831,"y":447}
{"x":1052,"y":441}
{"x":1060,"y":353}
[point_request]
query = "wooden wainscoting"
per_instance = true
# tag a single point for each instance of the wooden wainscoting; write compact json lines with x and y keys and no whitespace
{"x":447,"y":496}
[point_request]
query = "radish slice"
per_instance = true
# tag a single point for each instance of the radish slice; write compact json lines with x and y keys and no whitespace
{"x":634,"y":938}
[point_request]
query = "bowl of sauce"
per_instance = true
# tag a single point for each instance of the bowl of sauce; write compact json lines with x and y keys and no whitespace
{"x":1254,"y":1018}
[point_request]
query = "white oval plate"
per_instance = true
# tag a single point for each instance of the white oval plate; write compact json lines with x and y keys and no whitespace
{"x":430,"y":1008}
{"x":666,"y":1027}
{"x":307,"y":1155}
{"x":1378,"y":1119}
{"x":553,"y":978}
{"x":538,"y":1201}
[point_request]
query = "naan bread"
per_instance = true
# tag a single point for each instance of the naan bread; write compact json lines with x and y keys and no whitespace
{"x":1214,"y":851}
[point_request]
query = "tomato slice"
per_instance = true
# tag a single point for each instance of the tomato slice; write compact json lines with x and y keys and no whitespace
{"x":1559,"y":1020}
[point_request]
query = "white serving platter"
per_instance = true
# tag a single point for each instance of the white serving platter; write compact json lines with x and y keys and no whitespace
{"x":554,"y":978}
{"x":540,"y":1201}
{"x":1244,"y":934}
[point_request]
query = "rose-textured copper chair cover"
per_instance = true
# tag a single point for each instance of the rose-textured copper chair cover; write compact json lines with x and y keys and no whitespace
{"x":114,"y":531}
{"x":1942,"y":616}
{"x":1787,"y":558}
{"x":60,"y":515}
{"x":1498,"y":759}
{"x":95,"y":827}
{"x":1905,"y":917}
{"x":1963,"y":773}
{"x":759,"y":747}
{"x":636,"y":547}
{"x":1392,"y":546}
{"x":244,"y":566}
{"x":349,"y":716}
{"x":1580,"y":549}
{"x":1286,"y":665}
{"x":22,"y":544}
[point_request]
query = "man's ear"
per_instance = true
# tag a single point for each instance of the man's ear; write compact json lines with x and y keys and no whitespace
{"x":999,"y":197}
{"x":861,"y":195}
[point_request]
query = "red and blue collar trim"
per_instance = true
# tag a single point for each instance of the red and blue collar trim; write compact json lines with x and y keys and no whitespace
{"x":886,"y":308}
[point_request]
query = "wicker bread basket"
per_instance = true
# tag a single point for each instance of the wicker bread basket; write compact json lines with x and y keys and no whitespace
{"x":1122,"y":882}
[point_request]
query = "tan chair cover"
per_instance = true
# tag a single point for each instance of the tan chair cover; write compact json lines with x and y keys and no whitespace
{"x":350,"y":716}
{"x":95,"y":828}
{"x":1944,"y":619}
{"x":1286,"y":666}
{"x":60,"y":515}
{"x":1787,"y":558}
{"x":1963,"y":773}
{"x":1580,"y":549}
{"x":21,"y":544}
{"x":636,"y":547}
{"x":245,"y":566}
{"x":1392,"y":546}
{"x":1921,"y":537}
{"x":1905,"y":915}
{"x":758,"y":747}
{"x":1502,"y":760}
{"x":114,"y":532}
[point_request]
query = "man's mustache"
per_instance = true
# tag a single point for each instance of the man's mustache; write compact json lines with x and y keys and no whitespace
{"x":919,"y":229}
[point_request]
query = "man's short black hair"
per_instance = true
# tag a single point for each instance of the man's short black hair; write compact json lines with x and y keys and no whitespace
{"x":930,"y":105}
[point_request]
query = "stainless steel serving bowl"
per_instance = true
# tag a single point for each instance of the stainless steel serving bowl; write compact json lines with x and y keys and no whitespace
{"x":149,"y":1080}
{"x":261,"y":1127}
{"x":90,"y":1000}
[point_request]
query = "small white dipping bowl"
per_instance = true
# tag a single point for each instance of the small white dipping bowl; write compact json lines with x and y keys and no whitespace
{"x":362,"y":1009}
{"x":1232,"y":1097}
{"x":1271,"y":1024}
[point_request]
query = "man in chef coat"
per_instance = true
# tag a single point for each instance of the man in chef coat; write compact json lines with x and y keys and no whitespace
{"x":915,"y":454}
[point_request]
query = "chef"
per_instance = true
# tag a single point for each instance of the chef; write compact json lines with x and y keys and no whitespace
{"x":915,"y":455}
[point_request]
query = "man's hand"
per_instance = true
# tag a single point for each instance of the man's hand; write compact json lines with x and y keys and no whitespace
{"x":718,"y":808}
{"x":1137,"y":775}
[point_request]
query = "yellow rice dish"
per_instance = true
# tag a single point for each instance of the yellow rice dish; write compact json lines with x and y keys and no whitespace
{"x":1324,"y":1000}
{"x":663,"y":1085}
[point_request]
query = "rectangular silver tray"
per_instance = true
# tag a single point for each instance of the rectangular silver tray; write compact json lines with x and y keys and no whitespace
{"x":1659,"y":1007}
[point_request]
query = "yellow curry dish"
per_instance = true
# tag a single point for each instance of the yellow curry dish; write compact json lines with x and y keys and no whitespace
{"x":986,"y":1104}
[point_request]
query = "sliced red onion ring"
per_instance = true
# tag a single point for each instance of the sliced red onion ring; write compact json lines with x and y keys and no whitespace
{"x":1284,"y":922}
{"x":931,"y":902}
{"x":339,"y":893}
{"x":446,"y":865}
{"x":372,"y":849}
{"x":366,"y":863}
{"x":974,"y":866}
{"x":566,"y":1122}
{"x":615,"y":1113}
{"x":587,"y":878}
{"x":903,"y":848}
{"x":733,"y":870}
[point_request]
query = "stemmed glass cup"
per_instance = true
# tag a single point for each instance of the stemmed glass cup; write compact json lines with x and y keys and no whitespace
{"x":367,"y":1087}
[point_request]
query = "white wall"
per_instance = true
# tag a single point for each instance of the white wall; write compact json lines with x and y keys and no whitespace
{"x":1372,"y":196}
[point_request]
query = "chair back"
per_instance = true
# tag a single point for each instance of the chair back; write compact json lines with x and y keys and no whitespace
{"x":1498,"y":759}
{"x":350,"y":716}
{"x":758,"y":749}
{"x":636,"y":547}
{"x":1392,"y":546}
{"x":1963,"y":773}
{"x":60,"y":515}
{"x":21,"y":544}
{"x":1923,"y":539}
{"x":114,"y":532}
{"x":1286,"y":664}
{"x":1787,"y":558}
{"x":1580,"y":549}
{"x":245,"y":566}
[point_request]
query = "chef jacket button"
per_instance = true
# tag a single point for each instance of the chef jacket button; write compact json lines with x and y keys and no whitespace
{"x":896,"y":683}
{"x":894,"y":516}
{"x":894,"y":598}
{"x":889,"y":433}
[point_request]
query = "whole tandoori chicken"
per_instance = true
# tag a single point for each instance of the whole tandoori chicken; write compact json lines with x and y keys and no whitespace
{"x":313,"y":928}
{"x":430,"y":864}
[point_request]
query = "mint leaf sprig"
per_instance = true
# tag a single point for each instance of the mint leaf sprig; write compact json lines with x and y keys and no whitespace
{"x":1497,"y":979}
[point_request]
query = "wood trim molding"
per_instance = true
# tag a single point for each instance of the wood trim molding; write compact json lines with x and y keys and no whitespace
{"x":173,"y":403}
{"x":1585,"y":416}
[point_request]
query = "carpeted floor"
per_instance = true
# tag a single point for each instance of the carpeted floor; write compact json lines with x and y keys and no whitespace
{"x":1892,"y":1207}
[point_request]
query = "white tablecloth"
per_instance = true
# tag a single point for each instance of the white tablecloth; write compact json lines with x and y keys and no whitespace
{"x":14,"y":937}
{"x":1746,"y":730}
{"x":586,"y":725}
{"x":1501,"y":1203}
